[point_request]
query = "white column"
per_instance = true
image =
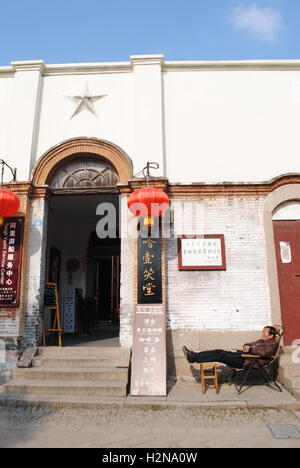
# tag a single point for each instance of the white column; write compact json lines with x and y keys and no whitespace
{"x":149,"y":139}
{"x":24,"y":116}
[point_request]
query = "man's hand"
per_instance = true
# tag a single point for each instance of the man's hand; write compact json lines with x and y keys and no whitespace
{"x":246,"y":349}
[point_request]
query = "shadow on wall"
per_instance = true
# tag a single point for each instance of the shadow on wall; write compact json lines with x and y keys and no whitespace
{"x":171,"y":366}
{"x":35,"y":239}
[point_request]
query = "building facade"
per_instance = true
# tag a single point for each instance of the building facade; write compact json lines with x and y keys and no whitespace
{"x":225,"y":138}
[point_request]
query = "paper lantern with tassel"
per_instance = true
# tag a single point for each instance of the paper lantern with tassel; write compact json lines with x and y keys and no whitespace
{"x":149,"y":203}
{"x":9,"y":204}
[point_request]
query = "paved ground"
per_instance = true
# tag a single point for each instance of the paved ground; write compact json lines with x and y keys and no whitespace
{"x":155,"y":427}
{"x":183,"y":419}
{"x":190,"y":393}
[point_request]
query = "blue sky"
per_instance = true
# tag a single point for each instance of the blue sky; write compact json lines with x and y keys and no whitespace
{"x":64,"y":31}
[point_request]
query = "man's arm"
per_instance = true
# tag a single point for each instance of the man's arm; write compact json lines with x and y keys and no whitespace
{"x":264,"y":349}
{"x":247,"y":346}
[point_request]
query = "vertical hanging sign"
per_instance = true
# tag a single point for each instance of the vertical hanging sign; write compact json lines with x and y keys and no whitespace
{"x":149,"y":362}
{"x":149,"y":271}
{"x":11,"y":244}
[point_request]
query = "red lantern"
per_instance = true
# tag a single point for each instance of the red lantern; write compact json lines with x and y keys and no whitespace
{"x":148,"y":202}
{"x":9,"y":204}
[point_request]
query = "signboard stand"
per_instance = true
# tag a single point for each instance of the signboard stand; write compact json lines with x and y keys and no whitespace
{"x":51,"y":303}
{"x":149,"y":354}
{"x":149,"y":360}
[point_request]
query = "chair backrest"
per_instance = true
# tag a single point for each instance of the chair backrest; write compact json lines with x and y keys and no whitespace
{"x":280,"y":331}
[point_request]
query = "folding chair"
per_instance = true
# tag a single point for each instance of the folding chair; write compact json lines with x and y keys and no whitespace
{"x":268,"y":370}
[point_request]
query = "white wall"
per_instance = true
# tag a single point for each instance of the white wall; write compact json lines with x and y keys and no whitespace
{"x":6,"y":84}
{"x":114,"y":120}
{"x":231,"y":125}
{"x":213,"y":122}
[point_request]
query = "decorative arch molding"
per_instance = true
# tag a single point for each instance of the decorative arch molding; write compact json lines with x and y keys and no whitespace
{"x":57,"y":157}
{"x":283,"y":194}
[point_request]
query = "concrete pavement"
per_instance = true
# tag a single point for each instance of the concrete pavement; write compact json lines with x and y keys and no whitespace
{"x":136,"y":427}
{"x":183,"y":419}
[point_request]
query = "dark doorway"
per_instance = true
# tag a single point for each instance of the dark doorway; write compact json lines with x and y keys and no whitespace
{"x":107,"y":289}
{"x":89,"y":276}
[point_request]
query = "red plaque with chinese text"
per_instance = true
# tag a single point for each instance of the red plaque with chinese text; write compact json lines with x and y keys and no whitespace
{"x":11,"y":244}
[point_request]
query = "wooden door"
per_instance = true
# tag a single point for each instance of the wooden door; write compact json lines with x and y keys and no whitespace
{"x":287,"y":245}
{"x":115,"y":289}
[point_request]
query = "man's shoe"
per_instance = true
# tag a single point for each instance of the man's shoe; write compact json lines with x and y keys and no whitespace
{"x":187,"y":353}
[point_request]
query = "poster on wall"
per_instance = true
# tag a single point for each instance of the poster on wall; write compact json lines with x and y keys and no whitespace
{"x":11,"y":244}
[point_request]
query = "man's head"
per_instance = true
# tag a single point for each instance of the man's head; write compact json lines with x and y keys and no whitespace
{"x":268,"y":333}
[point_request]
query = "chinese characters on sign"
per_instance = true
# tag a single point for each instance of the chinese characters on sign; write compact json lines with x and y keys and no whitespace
{"x":149,"y":360}
{"x":206,"y":252}
{"x":149,"y":271}
{"x":149,"y":351}
{"x":11,"y":240}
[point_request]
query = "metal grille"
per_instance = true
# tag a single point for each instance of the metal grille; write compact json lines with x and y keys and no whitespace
{"x":284,"y":431}
{"x":85,"y":173}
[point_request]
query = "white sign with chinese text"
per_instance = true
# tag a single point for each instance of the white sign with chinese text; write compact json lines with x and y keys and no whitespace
{"x":206,"y":252}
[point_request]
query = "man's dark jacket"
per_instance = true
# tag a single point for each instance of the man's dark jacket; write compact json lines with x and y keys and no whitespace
{"x":263,"y":348}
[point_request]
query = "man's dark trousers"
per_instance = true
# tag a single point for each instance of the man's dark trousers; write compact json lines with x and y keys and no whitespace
{"x":219,"y":355}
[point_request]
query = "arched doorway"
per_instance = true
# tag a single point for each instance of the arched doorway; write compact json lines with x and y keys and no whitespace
{"x":82,"y":174}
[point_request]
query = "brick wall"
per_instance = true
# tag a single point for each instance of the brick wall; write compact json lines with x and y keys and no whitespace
{"x":235,"y":299}
{"x":11,"y":320}
{"x":37,"y":244}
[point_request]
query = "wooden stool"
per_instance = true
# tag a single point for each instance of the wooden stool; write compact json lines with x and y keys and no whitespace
{"x":211,"y":366}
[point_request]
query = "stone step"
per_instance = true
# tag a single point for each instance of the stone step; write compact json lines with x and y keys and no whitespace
{"x":60,"y":401}
{"x":66,"y":387}
{"x":287,"y":359}
{"x":292,"y":382}
{"x":83,"y":361}
{"x":296,"y":394}
{"x":287,"y":350}
{"x":288,"y":384}
{"x":48,"y":373}
{"x":97,"y":351}
{"x":289,"y":371}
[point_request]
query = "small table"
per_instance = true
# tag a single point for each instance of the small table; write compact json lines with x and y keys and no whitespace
{"x":211,"y":366}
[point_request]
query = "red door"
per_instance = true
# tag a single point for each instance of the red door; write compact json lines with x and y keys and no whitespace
{"x":287,"y":244}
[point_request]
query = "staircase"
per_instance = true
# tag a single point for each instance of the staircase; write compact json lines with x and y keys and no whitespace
{"x":71,"y":375}
{"x":289,"y":371}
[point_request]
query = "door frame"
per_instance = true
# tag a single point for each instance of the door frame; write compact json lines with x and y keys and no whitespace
{"x":72,"y":193}
{"x":286,"y":193}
